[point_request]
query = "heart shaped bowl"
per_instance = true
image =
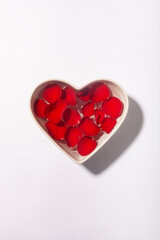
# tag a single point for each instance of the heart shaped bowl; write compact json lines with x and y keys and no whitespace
{"x":117,"y":91}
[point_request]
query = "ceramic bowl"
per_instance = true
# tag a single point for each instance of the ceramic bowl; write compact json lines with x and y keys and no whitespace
{"x":116,"y":90}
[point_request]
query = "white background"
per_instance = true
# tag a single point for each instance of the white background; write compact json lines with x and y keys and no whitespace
{"x":116,"y":194}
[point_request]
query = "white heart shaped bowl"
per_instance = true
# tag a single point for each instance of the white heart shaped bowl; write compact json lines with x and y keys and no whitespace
{"x":117,"y":91}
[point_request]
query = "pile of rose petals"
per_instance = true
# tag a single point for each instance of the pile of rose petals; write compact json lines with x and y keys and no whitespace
{"x":78,"y":118}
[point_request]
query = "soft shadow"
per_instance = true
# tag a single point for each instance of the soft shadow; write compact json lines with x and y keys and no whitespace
{"x":119,"y":142}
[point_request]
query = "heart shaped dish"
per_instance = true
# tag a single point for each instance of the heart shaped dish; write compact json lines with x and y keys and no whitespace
{"x":79,"y":121}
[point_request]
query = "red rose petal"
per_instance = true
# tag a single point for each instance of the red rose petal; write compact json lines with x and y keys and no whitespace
{"x":108,"y":124}
{"x":39,"y":108}
{"x":56,"y":131}
{"x":86,"y":145}
{"x":52,"y":93}
{"x":84,"y":94}
{"x":72,"y":136}
{"x":88,"y":127}
{"x":88,"y":109}
{"x":69,"y":95}
{"x":54,"y":111}
{"x":99,"y":116}
{"x":71,"y":116}
{"x":99,"y":92}
{"x":113,"y":107}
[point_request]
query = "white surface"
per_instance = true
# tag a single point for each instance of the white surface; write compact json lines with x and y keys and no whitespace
{"x":43,"y":194}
